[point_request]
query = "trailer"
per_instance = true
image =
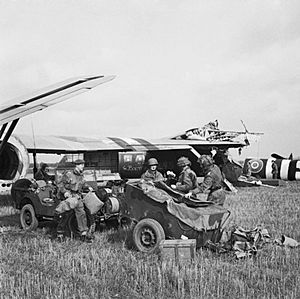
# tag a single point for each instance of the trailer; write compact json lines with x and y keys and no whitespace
{"x":160,"y":213}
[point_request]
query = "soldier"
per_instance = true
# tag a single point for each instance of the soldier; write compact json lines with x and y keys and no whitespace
{"x":274,"y":169}
{"x":70,"y":189}
{"x":247,"y":170}
{"x":152,"y":174}
{"x":187,"y":179}
{"x":213,"y":181}
{"x":42,"y":173}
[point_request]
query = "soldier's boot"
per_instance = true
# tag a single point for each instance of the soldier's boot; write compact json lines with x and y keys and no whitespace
{"x":60,"y":237}
{"x":91,"y":231}
{"x":85,"y":238}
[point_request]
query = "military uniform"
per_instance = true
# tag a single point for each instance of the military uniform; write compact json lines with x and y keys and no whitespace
{"x":73,"y":183}
{"x":187,"y":180}
{"x":274,"y":170}
{"x":213,"y":181}
{"x":154,"y":176}
{"x":42,"y":175}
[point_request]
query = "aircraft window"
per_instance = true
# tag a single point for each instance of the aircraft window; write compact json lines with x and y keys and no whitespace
{"x":127,"y":158}
{"x":140,"y":158}
{"x":73,"y":157}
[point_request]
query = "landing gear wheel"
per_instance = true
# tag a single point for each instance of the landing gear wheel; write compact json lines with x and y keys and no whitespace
{"x":27,"y":218}
{"x":147,"y":235}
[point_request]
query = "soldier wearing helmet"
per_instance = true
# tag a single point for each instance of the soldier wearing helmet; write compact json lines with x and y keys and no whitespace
{"x":213,"y":181}
{"x":152,"y":174}
{"x":42,"y":173}
{"x":274,"y":169}
{"x":71,"y":187}
{"x":187,"y":179}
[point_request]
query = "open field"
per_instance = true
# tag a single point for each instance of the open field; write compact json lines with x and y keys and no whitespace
{"x":34,"y":266}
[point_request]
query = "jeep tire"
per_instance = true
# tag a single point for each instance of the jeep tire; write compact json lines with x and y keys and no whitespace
{"x":28,"y":218}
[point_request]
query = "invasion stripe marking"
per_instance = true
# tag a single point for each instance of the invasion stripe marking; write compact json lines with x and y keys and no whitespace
{"x":269,"y":174}
{"x":122,"y":143}
{"x":294,"y":170}
{"x":297,"y":171}
{"x":147,"y":144}
{"x":284,"y":169}
{"x":136,"y":145}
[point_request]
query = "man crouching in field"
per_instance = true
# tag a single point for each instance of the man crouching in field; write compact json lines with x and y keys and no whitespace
{"x":70,"y":190}
{"x":213,"y":181}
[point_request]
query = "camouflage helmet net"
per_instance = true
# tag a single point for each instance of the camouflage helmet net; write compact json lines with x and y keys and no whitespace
{"x":183,"y":161}
{"x":205,"y":161}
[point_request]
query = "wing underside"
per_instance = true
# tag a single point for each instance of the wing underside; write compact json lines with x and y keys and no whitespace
{"x":49,"y":96}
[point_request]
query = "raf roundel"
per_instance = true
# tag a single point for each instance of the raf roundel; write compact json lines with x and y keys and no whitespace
{"x":256,"y":165}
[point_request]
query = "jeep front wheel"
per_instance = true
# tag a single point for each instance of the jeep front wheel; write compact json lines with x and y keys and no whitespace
{"x":27,"y":218}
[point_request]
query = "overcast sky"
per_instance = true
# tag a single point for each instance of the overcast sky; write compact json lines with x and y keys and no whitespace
{"x":179,"y":64}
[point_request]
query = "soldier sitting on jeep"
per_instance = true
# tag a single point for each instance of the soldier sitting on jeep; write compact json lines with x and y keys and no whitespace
{"x":43,"y":173}
{"x":70,"y":190}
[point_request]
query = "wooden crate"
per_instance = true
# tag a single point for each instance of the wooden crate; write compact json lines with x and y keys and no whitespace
{"x":178,"y":250}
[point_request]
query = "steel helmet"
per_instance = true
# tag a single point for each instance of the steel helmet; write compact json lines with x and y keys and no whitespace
{"x":152,"y":161}
{"x":183,"y":161}
{"x":205,"y":161}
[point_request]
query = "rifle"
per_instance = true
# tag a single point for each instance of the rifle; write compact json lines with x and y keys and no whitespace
{"x":253,"y":182}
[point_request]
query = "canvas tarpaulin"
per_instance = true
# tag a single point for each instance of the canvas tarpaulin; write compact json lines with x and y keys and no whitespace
{"x":201,"y":218}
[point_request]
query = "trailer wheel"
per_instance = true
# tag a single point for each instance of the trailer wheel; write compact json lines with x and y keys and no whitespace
{"x":27,"y":218}
{"x":147,"y":235}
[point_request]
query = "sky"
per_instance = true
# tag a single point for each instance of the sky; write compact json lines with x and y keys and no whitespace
{"x":178,"y":65}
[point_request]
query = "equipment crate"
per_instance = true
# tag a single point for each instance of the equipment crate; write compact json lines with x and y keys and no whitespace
{"x":178,"y":250}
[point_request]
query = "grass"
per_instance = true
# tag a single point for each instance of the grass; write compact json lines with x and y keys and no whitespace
{"x":34,"y":266}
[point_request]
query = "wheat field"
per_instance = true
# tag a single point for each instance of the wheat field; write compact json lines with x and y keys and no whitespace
{"x":32,"y":265}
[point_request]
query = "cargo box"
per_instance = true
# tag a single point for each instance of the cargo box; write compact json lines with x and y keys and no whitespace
{"x":179,"y":251}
